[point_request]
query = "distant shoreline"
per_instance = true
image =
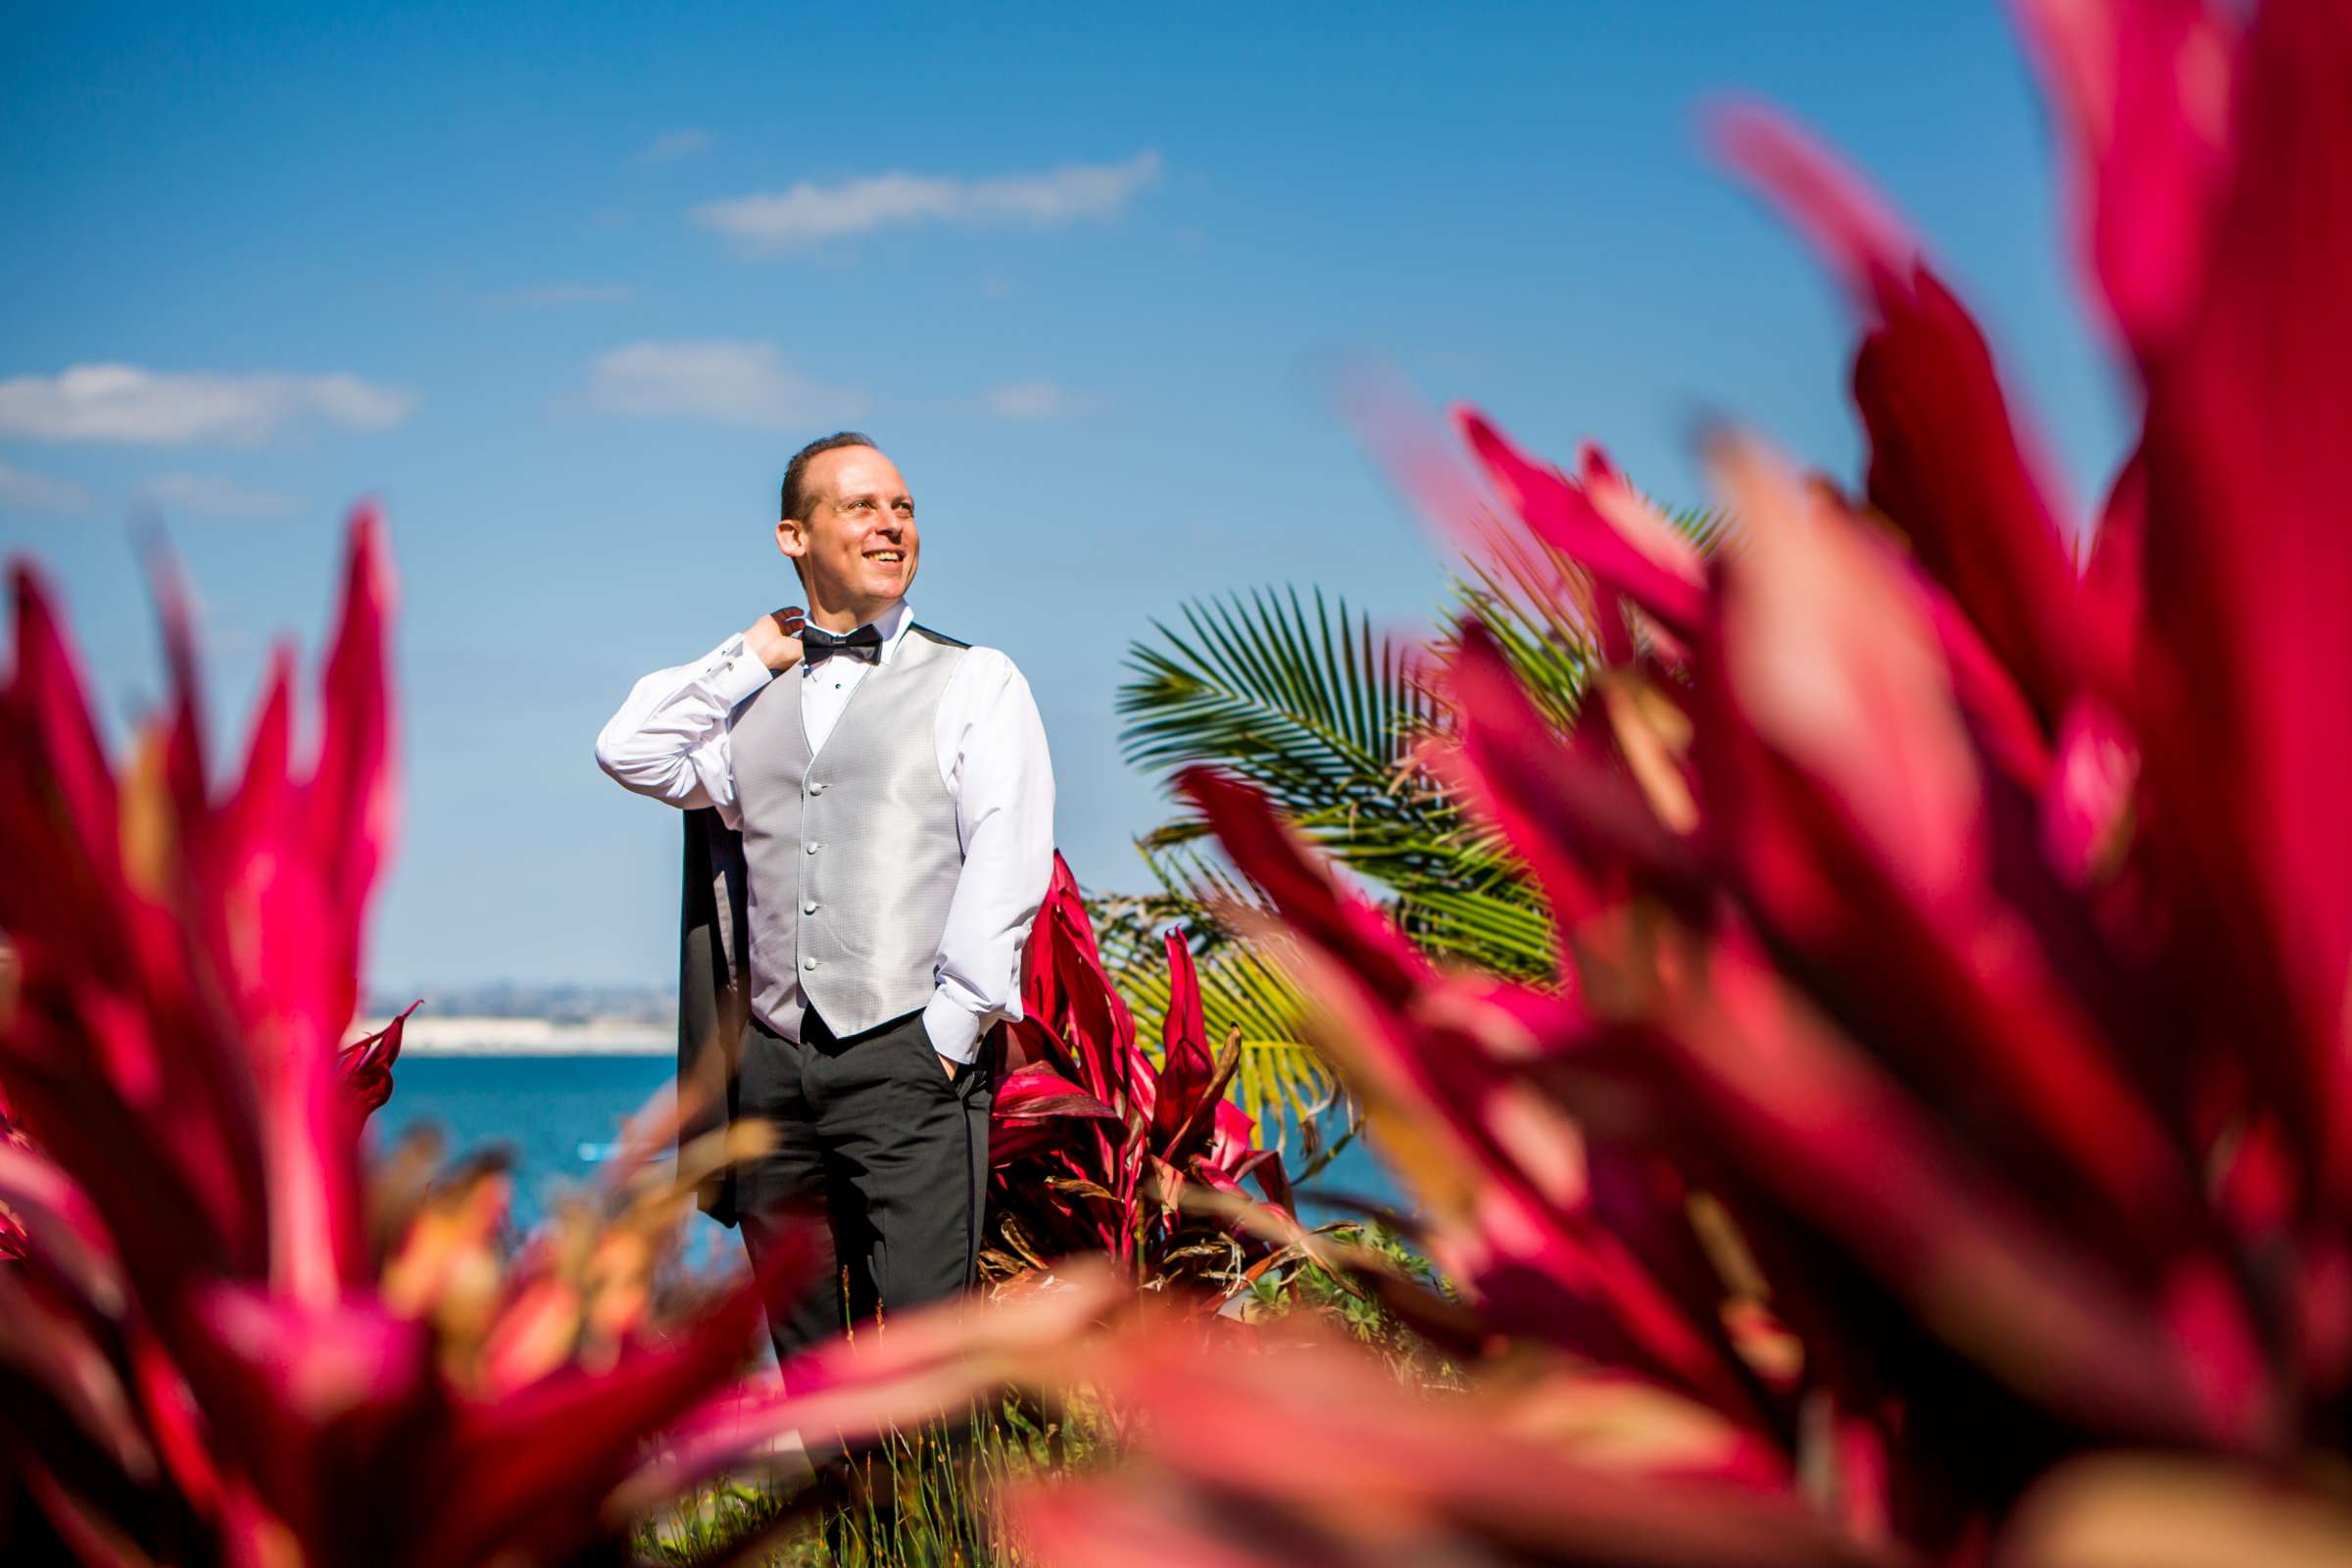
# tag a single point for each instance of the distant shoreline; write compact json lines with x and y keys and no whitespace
{"x":428,"y":1035}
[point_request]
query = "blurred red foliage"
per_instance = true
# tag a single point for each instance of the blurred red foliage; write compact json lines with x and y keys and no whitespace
{"x":217,"y":1343}
{"x":1951,"y":1082}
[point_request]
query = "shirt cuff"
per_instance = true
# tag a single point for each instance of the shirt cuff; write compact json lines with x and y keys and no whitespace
{"x":953,"y":1028}
{"x":737,"y":673}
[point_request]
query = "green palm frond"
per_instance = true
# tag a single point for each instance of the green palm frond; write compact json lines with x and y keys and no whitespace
{"x":1711,"y":528}
{"x":1306,"y":705}
{"x":1531,"y":596}
{"x":1302,"y":698}
{"x":1288,"y":694}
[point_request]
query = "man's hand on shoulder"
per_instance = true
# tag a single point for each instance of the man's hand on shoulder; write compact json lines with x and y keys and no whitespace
{"x":775,"y":638}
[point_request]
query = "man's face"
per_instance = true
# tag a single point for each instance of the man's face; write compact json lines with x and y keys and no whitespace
{"x":858,"y":546}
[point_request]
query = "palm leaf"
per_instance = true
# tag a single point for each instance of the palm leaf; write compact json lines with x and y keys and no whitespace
{"x":1308,"y":705}
{"x":1303,"y":699}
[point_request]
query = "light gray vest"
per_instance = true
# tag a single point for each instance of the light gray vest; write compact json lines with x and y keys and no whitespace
{"x":854,"y":852}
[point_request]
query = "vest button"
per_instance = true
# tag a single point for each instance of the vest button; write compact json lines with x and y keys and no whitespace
{"x":815,"y":788}
{"x":808,"y":909}
{"x":812,"y":845}
{"x":807,"y":964}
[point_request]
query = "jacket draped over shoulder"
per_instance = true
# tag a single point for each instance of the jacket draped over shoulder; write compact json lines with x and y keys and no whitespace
{"x":714,"y":994}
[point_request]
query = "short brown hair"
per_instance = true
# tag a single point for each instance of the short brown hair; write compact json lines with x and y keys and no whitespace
{"x":795,"y":472}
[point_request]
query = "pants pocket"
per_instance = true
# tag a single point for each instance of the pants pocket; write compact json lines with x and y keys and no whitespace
{"x":925,"y":1061}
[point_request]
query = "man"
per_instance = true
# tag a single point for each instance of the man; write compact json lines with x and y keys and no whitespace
{"x":871,"y":834}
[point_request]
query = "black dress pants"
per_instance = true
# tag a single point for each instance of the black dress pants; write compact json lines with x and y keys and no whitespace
{"x":873,"y":1136}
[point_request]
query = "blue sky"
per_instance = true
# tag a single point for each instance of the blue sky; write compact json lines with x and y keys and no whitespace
{"x":564,"y":286}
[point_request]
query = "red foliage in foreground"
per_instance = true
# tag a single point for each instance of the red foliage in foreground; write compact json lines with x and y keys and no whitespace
{"x":214,"y":1346}
{"x":1952,"y":1079}
{"x":1091,"y":1143}
{"x":217,"y":1346}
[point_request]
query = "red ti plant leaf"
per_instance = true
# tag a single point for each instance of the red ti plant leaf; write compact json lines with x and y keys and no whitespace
{"x":1034,"y":1092}
{"x":2145,"y":88}
{"x":1584,"y":830}
{"x":1959,"y":959}
{"x":1185,"y":1064}
{"x":43,"y":1341}
{"x":1840,"y":1144}
{"x":1091,"y":1141}
{"x":49,"y":1217}
{"x":1311,"y":1454}
{"x":1654,"y":568}
{"x":1070,"y":1009}
{"x":1076,"y":1026}
{"x":1865,"y":837}
{"x":366,"y":1064}
{"x":1946,"y":462}
{"x":2249,"y":577}
{"x":1506,"y":1176}
{"x":2116,"y":571}
{"x":530,"y":1469}
{"x":1029,"y":1104}
{"x":103,"y":970}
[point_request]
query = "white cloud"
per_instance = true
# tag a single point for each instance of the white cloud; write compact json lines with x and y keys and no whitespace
{"x":725,"y":382}
{"x":38,"y":492}
{"x":1035,"y":400}
{"x":558,"y":294}
{"x":131,"y":403}
{"x":672,"y":145}
{"x":216,"y":494}
{"x":807,"y":213}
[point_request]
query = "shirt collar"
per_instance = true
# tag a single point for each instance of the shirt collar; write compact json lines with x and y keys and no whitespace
{"x":892,"y":623}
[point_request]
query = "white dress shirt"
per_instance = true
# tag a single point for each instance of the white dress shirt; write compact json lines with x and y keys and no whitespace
{"x":670,"y":740}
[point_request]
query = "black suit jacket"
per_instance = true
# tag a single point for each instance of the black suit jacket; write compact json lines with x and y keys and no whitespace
{"x":714,"y":992}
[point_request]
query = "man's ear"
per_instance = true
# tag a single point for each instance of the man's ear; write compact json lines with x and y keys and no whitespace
{"x":791,"y":538}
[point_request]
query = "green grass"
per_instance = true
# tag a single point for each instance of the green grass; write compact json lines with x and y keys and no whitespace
{"x":919,"y":1502}
{"x":1305,"y":1287}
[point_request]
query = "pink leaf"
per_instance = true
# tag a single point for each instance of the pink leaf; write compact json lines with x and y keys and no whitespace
{"x":2144,"y":88}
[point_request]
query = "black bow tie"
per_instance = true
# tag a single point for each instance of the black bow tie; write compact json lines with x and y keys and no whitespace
{"x":818,"y":646}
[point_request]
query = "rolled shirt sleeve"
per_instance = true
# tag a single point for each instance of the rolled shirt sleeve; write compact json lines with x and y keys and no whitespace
{"x":993,"y":755}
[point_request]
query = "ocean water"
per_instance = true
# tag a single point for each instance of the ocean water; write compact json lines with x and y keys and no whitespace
{"x":555,"y":1117}
{"x":558,"y":1116}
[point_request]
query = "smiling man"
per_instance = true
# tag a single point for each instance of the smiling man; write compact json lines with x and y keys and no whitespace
{"x":871,"y":834}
